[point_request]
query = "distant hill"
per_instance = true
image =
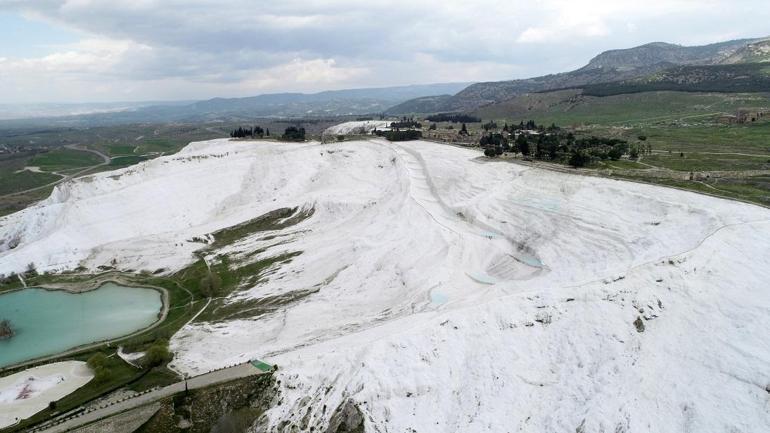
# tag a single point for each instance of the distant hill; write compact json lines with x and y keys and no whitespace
{"x":278,"y":105}
{"x":609,"y":66}
{"x":664,"y":53}
{"x":335,"y":102}
{"x":573,"y":107}
{"x":426,"y":104}
{"x":758,"y":52}
{"x":750,"y":77}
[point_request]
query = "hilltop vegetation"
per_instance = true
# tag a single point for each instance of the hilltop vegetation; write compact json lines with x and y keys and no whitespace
{"x":574,"y":107}
{"x":751,"y":77}
{"x":427,"y":104}
{"x":758,"y":52}
{"x":608,"y":67}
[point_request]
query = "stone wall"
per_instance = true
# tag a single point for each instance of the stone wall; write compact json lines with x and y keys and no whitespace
{"x":224,"y":408}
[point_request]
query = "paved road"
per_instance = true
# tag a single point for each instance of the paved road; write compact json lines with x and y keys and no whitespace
{"x":202,"y":381}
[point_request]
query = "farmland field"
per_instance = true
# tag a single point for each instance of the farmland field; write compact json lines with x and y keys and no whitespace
{"x":64,"y":159}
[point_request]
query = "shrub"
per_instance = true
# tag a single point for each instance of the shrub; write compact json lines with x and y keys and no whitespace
{"x":210,"y":284}
{"x":99,"y":363}
{"x":157,"y":354}
{"x":579,"y":158}
{"x":293,"y":133}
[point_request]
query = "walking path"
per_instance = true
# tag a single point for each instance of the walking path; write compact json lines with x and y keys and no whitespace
{"x":239,"y":371}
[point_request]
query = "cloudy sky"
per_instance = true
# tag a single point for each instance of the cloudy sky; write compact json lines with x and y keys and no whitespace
{"x":132,"y":50}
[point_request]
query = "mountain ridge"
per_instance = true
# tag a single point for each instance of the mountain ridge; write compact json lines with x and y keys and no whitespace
{"x":607,"y":67}
{"x":359,"y":101}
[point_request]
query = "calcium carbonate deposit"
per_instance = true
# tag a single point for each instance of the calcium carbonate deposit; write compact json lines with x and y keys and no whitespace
{"x":445,"y":292}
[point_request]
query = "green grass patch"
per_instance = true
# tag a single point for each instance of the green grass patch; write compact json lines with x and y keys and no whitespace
{"x":624,"y":164}
{"x":755,"y":189}
{"x":14,"y":203}
{"x":273,"y":220}
{"x":706,"y":162}
{"x":15,"y":182}
{"x":752,"y":189}
{"x":159,"y":145}
{"x":570,"y":107}
{"x":118,"y":150}
{"x":63,"y":159}
{"x":236,"y":276}
{"x":751,"y":139}
{"x":125,"y":161}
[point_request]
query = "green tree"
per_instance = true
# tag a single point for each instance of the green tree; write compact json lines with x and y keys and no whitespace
{"x":579,"y":158}
{"x":523,"y":144}
{"x":293,"y":133}
{"x":99,"y":364}
{"x":157,"y":354}
{"x":634,"y":152}
{"x":617,"y":151}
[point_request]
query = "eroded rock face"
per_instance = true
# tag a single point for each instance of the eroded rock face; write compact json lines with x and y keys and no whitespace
{"x":346,"y":419}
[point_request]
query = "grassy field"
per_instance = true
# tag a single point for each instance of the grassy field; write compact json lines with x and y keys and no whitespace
{"x":125,"y":161}
{"x":120,"y":150}
{"x":682,"y":129}
{"x":571,"y":108}
{"x":755,"y":189}
{"x":694,"y":161}
{"x":64,"y":159}
{"x":706,"y":137}
{"x":622,"y":164}
{"x":16,"y":202}
{"x":13,"y":182}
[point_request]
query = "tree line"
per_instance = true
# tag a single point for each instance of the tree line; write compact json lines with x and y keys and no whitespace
{"x":554,"y":144}
{"x":405,"y":123}
{"x":255,"y":132}
{"x":453,"y":117}
{"x":292,"y":133}
{"x":399,"y":135}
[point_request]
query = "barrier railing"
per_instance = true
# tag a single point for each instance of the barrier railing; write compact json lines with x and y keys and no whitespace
{"x":85,"y":411}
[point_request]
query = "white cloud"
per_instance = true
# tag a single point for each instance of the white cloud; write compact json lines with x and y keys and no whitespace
{"x":216,"y":45}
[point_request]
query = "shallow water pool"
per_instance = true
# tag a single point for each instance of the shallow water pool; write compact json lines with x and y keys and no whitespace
{"x":47,"y":322}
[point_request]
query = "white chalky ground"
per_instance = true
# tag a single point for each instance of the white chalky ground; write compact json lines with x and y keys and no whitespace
{"x":451,"y":293}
